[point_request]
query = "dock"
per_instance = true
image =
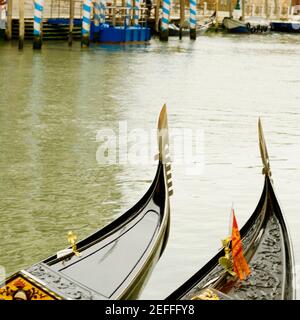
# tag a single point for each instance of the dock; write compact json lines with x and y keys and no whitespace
{"x":67,"y":19}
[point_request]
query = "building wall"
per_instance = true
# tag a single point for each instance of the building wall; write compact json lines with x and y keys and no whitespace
{"x":223,"y":4}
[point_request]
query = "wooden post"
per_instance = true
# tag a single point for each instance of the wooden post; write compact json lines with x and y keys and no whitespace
{"x":290,"y":9}
{"x":114,"y":13}
{"x":71,"y":22}
{"x":182,"y":17}
{"x":164,"y":32}
{"x":8,"y":30}
{"x":230,"y":8}
{"x":243,"y":10}
{"x":96,"y":20}
{"x":123,"y":10}
{"x":193,"y":21}
{"x":21,"y":24}
{"x":37,"y":24}
{"x":217,"y":13}
{"x":157,"y":7}
{"x":204,"y":8}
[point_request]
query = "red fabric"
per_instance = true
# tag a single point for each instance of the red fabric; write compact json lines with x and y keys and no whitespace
{"x":240,"y":265}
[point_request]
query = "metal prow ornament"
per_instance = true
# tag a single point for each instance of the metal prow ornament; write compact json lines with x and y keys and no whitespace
{"x":263,"y":151}
{"x":163,"y":146}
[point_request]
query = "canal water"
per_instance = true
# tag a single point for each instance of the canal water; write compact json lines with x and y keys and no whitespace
{"x":54,"y":102}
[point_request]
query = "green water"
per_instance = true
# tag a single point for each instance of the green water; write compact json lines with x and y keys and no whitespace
{"x":53,"y":102}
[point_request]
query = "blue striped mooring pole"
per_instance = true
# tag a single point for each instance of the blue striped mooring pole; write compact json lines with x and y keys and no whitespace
{"x":37,"y":23}
{"x":193,"y":21}
{"x":96,"y":20}
{"x":164,"y":32}
{"x":128,"y":15}
{"x":86,"y":23}
{"x":136,"y":15}
{"x":102,"y":10}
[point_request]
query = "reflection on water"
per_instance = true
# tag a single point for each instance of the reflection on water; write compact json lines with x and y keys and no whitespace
{"x":52,"y":103}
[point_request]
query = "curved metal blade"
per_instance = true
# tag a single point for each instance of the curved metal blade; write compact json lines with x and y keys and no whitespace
{"x":163,"y":146}
{"x":263,"y":150}
{"x":163,"y":134}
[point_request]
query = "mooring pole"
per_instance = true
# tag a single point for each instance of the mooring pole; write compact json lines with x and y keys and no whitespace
{"x":230,"y":8}
{"x":114,"y":13}
{"x":128,"y":13}
{"x":8,"y":29}
{"x":21,"y":24}
{"x":217,"y":13}
{"x":37,"y":23}
{"x":243,"y":10}
{"x":86,"y":23}
{"x":182,"y":17}
{"x":204,"y":8}
{"x":96,"y":20}
{"x":71,"y":22}
{"x":102,"y":11}
{"x":136,"y":13}
{"x":164,"y":32}
{"x":157,"y":7}
{"x":193,"y":21}
{"x":123,"y":10}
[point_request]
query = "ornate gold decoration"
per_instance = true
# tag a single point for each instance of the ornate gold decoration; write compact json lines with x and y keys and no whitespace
{"x":208,"y":294}
{"x":226,"y":261}
{"x":19,"y":288}
{"x":72,"y":239}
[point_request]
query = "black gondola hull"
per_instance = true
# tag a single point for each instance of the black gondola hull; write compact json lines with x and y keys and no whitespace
{"x":268,"y":250}
{"x":114,"y":262}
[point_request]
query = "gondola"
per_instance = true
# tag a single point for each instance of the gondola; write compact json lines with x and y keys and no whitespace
{"x":267,"y":250}
{"x":116,"y":261}
{"x":235,"y":26}
{"x":174,"y":30}
{"x":251,"y":24}
{"x":291,"y":26}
